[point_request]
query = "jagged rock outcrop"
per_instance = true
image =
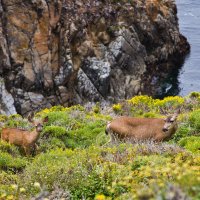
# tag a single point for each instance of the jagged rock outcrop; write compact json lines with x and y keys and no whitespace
{"x":74,"y":51}
{"x":6,"y":100}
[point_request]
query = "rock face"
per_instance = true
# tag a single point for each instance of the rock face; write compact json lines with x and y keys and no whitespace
{"x":6,"y":100}
{"x":74,"y":51}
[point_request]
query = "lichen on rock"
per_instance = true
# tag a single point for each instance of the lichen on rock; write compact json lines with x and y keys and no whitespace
{"x":69,"y":52}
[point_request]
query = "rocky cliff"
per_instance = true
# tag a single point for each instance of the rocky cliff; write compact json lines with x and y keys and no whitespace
{"x":74,"y":51}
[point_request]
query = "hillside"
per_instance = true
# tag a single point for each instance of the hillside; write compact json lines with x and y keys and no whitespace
{"x":75,"y":159}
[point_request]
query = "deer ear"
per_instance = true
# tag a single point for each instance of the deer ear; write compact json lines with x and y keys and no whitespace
{"x":175,"y":115}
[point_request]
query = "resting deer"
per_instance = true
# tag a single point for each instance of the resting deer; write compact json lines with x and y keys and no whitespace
{"x":23,"y":138}
{"x":142,"y":128}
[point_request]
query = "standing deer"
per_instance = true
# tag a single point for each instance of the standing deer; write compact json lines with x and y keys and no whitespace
{"x":23,"y":138}
{"x":142,"y":128}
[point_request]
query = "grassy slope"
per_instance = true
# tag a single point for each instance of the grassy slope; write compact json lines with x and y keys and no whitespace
{"x":75,"y":159}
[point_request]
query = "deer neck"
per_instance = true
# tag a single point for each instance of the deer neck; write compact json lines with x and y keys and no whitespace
{"x":35,"y":135}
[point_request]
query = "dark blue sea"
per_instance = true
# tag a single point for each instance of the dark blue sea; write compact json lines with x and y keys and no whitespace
{"x":189,"y":23}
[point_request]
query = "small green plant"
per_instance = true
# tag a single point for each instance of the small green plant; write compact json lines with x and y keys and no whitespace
{"x":16,"y":121}
{"x":194,"y":120}
{"x":55,"y":131}
{"x":46,"y":144}
{"x":183,"y":131}
{"x":3,"y":118}
{"x":150,"y":115}
{"x":7,"y":162}
{"x":191,"y":143}
{"x":8,"y":148}
{"x":96,"y":108}
{"x":86,"y":135}
{"x":194,"y":94}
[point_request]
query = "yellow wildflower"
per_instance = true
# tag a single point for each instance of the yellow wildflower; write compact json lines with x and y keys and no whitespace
{"x":37,"y":185}
{"x":22,"y":190}
{"x":100,"y":197}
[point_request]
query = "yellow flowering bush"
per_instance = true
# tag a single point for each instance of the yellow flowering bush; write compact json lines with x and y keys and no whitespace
{"x":142,"y":104}
{"x":141,"y":100}
{"x":117,"y":108}
{"x":169,"y":102}
{"x":45,"y":111}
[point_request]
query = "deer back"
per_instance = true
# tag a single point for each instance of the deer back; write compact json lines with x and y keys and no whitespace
{"x":139,"y":128}
{"x":14,"y":135}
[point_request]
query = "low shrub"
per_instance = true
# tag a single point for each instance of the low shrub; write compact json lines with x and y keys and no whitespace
{"x":73,"y":132}
{"x":12,"y":191}
{"x":87,"y":135}
{"x":87,"y":173}
{"x":194,"y":94}
{"x":7,"y":162}
{"x":194,"y":120}
{"x":55,"y":131}
{"x":151,"y":115}
{"x":191,"y":143}
{"x":58,"y":118}
{"x":46,"y":144}
{"x":8,"y":178}
{"x":168,"y":103}
{"x":183,"y":130}
{"x":143,"y":103}
{"x":16,"y":121}
{"x":8,"y":148}
{"x":3,"y":118}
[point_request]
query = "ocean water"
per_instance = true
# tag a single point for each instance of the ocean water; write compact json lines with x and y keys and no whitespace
{"x":189,"y":24}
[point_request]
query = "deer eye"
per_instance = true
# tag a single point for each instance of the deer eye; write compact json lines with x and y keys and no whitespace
{"x":171,"y":120}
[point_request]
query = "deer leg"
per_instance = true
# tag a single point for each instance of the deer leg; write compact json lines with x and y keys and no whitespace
{"x":114,"y":138}
{"x":35,"y":148}
{"x":27,"y":151}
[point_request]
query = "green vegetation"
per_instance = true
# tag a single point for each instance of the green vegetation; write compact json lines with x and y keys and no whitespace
{"x":75,"y":160}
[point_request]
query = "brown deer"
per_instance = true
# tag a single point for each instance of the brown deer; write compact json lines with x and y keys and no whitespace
{"x":23,"y":138}
{"x":156,"y":129}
